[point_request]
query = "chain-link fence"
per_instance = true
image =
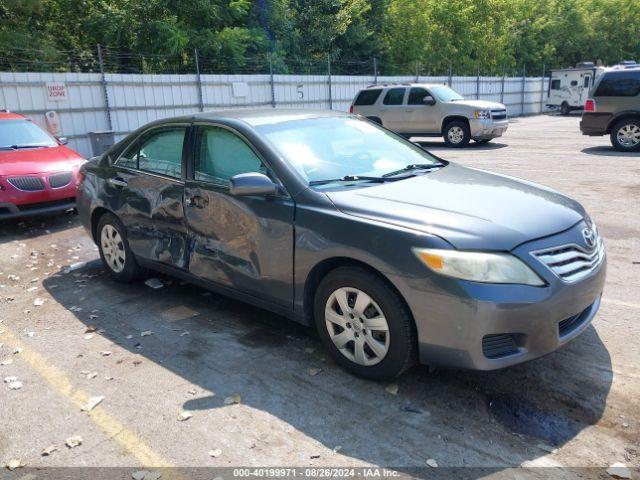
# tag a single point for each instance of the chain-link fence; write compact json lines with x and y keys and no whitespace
{"x":120,"y":91}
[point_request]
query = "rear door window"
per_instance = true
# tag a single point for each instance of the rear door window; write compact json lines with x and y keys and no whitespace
{"x":619,"y":84}
{"x":368,"y":97}
{"x":157,"y":151}
{"x":394,"y":96}
{"x":555,"y":84}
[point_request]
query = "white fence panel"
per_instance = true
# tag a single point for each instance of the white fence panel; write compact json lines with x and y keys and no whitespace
{"x":136,"y":99}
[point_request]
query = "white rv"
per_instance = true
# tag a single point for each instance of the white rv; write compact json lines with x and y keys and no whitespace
{"x":569,"y":87}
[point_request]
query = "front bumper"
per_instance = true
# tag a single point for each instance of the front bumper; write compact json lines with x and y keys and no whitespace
{"x":486,"y":129}
{"x":461,"y":323}
{"x":10,"y":210}
{"x":40,"y":196}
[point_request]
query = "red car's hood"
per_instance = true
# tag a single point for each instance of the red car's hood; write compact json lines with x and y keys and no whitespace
{"x":38,"y":160}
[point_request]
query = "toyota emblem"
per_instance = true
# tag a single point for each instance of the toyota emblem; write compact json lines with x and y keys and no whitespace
{"x":589,"y":237}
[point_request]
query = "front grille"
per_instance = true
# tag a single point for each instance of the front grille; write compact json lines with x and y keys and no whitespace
{"x":28,"y":184}
{"x":59,"y":180}
{"x":572,"y":262}
{"x":568,"y":325}
{"x":499,"y":345}
{"x":498,"y":114}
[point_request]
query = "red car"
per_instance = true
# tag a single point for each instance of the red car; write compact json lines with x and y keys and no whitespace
{"x":38,"y":174}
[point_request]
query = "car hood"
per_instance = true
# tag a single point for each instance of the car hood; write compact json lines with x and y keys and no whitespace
{"x":471,"y":209}
{"x":38,"y":160}
{"x":480,"y":104}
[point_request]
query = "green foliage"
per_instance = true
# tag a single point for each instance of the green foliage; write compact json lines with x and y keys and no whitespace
{"x":431,"y":35}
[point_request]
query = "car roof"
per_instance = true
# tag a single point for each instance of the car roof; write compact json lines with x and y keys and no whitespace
{"x":6,"y":115}
{"x":403,"y":85}
{"x":256,"y":117}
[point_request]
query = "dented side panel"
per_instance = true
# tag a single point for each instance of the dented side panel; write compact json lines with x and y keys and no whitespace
{"x":245,"y":243}
{"x":152,"y":212}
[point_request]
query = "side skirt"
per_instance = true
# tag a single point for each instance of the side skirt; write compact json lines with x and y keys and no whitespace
{"x":223,"y":290}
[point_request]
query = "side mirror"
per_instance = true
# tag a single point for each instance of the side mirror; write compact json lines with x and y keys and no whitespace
{"x":253,"y":183}
{"x":63,"y":140}
{"x":428,"y":100}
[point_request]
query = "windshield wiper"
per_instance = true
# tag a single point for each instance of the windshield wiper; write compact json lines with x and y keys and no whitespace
{"x":358,"y":178}
{"x":17,"y":147}
{"x":414,"y":166}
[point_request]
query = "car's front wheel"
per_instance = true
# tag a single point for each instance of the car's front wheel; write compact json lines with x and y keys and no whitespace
{"x":364,"y":324}
{"x":625,"y":135}
{"x":114,"y":249}
{"x":457,"y":134}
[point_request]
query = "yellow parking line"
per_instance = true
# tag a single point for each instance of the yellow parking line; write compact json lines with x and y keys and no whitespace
{"x":621,"y":303}
{"x":109,"y":424}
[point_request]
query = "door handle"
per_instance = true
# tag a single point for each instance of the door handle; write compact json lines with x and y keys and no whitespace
{"x":118,"y":182}
{"x":197,"y":201}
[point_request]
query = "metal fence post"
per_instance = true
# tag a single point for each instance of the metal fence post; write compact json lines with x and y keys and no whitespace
{"x":273,"y":90}
{"x":524,"y":83}
{"x":198,"y":80}
{"x":504,"y":71}
{"x":478,"y":83}
{"x":103,"y":82}
{"x":450,"y":75}
{"x":542,"y":87}
{"x":417,"y":70}
{"x":375,"y":70}
{"x":329,"y":81}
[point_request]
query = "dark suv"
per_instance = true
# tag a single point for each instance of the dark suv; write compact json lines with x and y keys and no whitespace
{"x":614,"y":109}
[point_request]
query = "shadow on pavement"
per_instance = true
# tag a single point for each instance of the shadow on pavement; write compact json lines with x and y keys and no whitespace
{"x":608,"y":151}
{"x":462,"y":418}
{"x":473,"y":146}
{"x":35,"y":226}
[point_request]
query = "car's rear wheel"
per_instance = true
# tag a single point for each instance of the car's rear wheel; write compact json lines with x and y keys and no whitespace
{"x":364,"y":324}
{"x":114,"y":249}
{"x":625,"y":135}
{"x":565,"y":109}
{"x":457,"y":134}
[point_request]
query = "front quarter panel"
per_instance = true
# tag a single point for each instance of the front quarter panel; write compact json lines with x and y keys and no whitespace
{"x":323,"y":233}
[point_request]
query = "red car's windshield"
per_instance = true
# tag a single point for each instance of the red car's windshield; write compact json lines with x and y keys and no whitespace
{"x":23,"y":134}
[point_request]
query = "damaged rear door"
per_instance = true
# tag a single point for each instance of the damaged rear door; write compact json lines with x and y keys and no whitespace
{"x":241,"y":242}
{"x":146,"y":191}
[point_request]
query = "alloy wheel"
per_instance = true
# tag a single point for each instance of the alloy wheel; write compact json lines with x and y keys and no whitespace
{"x":455,"y":134}
{"x":357,"y":326}
{"x":113,"y":248}
{"x":628,"y":135}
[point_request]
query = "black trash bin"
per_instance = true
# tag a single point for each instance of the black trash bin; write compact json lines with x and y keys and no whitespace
{"x":101,"y":141}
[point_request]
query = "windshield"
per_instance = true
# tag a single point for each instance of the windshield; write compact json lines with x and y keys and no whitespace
{"x":336,"y":147}
{"x":23,"y":133}
{"x":445,"y":94}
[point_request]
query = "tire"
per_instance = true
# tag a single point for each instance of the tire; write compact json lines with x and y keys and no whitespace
{"x":375,"y":120}
{"x":456,"y":134}
{"x":114,"y":249}
{"x":625,"y":135}
{"x":383,"y":354}
{"x":565,"y":109}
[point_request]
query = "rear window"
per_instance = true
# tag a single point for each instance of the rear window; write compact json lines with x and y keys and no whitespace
{"x":555,"y":84}
{"x":619,"y":84}
{"x":367,"y":97}
{"x":394,"y":96}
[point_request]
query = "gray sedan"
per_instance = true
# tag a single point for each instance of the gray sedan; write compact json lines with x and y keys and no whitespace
{"x":394,"y":255}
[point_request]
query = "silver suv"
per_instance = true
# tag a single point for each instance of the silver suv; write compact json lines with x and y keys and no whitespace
{"x":417,"y":109}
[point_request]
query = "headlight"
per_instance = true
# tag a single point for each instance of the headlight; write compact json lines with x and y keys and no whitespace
{"x":479,"y":266}
{"x":483,"y":114}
